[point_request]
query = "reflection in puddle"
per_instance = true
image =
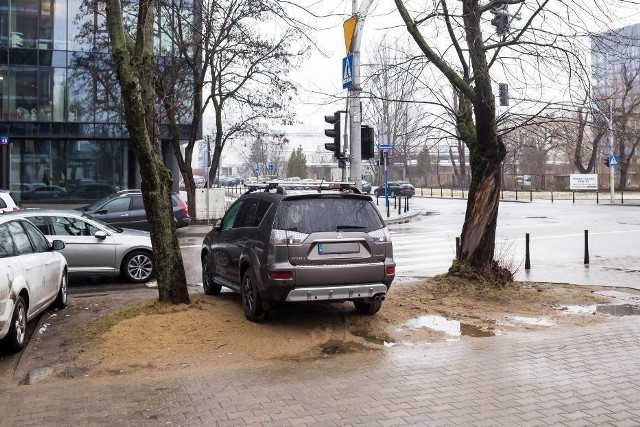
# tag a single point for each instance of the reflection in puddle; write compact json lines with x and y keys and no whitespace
{"x":454,"y":328}
{"x":534,"y":321}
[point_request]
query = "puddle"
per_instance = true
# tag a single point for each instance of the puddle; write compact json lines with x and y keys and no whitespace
{"x":619,"y":309}
{"x":533,"y":321}
{"x":577,"y":309}
{"x":385,"y":341}
{"x":453,"y":328}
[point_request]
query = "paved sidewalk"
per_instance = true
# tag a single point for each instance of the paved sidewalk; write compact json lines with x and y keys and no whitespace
{"x":568,"y":377}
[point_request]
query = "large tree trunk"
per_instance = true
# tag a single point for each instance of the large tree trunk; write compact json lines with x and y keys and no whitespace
{"x":134,"y":63}
{"x":486,"y":152}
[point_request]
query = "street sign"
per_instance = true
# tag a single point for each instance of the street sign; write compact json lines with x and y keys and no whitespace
{"x":257,"y":170}
{"x":347,"y":71}
{"x":613,"y":160}
{"x":4,"y":140}
{"x":270,"y":167}
{"x":349,"y":30}
{"x":385,"y":147}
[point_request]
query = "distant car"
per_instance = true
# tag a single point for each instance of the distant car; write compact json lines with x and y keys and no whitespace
{"x":45,"y":192}
{"x":396,"y":188}
{"x":94,"y":248}
{"x":199,"y":180}
{"x":33,"y":277}
{"x":366,"y":187}
{"x":126,"y":209}
{"x":91,"y":191}
{"x":7,"y":204}
{"x":330,"y":246}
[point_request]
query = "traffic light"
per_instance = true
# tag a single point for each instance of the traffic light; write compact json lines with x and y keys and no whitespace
{"x":501,"y":18}
{"x":503,"y":91}
{"x":366,"y":142}
{"x":333,"y":133}
{"x":606,"y":162}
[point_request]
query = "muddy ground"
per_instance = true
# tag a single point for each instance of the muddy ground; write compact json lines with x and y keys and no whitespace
{"x":127,"y":331}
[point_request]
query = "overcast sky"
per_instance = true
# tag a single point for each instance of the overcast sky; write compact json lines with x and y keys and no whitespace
{"x":319,"y":78}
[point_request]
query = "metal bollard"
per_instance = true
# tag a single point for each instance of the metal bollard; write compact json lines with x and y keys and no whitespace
{"x":586,"y":247}
{"x":399,"y":205}
{"x":527,"y":260}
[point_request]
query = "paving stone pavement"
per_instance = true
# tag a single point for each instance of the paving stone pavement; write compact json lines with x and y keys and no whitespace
{"x":580,"y":376}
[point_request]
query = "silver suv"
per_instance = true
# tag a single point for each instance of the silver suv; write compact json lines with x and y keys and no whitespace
{"x":322,"y":246}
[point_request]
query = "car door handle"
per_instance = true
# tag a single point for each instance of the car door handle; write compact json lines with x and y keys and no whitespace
{"x":124,"y":215}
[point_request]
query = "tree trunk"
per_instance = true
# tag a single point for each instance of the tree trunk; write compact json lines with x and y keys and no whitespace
{"x":486,"y":152}
{"x":135,"y":70}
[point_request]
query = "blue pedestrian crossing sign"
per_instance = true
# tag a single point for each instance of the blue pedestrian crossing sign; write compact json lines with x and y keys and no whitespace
{"x":347,"y":71}
{"x":270,"y":167}
{"x":4,"y":140}
{"x":613,"y":160}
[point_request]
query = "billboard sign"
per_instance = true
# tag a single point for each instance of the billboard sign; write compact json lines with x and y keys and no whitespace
{"x":583,"y":181}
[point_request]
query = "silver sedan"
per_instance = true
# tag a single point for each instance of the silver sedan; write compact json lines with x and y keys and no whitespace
{"x":93,"y":247}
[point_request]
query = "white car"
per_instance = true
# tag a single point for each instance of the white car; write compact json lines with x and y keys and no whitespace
{"x":7,"y":204}
{"x":33,"y":276}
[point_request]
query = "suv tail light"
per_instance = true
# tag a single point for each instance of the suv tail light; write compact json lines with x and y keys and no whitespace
{"x":391,"y":270}
{"x":286,"y":237}
{"x":183,"y":205}
{"x":380,"y":235}
{"x":280,"y":275}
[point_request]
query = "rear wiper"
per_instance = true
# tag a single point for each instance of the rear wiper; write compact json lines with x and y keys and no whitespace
{"x":350,"y":227}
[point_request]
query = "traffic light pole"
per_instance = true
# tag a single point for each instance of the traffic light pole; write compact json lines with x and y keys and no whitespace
{"x":355,"y":109}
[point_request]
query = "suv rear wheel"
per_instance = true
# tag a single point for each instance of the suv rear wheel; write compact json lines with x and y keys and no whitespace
{"x":251,"y":300}
{"x":367,"y":307}
{"x":209,"y":286}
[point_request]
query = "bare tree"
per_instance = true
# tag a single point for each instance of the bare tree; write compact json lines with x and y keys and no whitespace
{"x":232,"y":65}
{"x":466,"y":62}
{"x":133,"y":58}
{"x":392,"y":79}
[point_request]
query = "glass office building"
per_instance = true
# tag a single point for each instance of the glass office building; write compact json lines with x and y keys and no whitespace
{"x":61,"y":116}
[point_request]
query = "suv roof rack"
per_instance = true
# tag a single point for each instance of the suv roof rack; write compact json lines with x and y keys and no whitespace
{"x":280,"y":187}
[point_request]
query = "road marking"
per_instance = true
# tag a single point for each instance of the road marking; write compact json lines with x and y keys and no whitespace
{"x":190,"y":246}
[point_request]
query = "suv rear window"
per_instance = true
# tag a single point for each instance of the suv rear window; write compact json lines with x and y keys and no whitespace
{"x":314,"y":215}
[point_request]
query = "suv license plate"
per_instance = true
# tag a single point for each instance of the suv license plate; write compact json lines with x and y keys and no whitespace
{"x":338,"y":248}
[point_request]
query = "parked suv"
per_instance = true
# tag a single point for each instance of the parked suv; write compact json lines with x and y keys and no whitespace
{"x":396,"y":188}
{"x":322,"y":246}
{"x":126,"y":209}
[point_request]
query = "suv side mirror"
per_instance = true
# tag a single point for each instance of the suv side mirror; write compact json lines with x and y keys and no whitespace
{"x":218,"y":225}
{"x":101,"y":235}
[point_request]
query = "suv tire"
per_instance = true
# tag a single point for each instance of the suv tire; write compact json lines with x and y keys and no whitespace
{"x":367,"y":307}
{"x":251,"y":300}
{"x":208,"y":284}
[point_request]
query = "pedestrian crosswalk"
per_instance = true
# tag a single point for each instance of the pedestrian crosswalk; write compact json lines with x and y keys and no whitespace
{"x":422,"y":254}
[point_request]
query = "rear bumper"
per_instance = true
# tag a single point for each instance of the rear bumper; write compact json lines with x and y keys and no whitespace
{"x":337,"y":293}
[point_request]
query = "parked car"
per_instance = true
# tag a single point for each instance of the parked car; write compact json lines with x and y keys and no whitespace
{"x":270,"y":248}
{"x":94,"y":248}
{"x":7,"y":204}
{"x":126,"y":209}
{"x":366,"y":187}
{"x":396,"y":188}
{"x":91,"y":191}
{"x":33,"y":277}
{"x":45,"y":192}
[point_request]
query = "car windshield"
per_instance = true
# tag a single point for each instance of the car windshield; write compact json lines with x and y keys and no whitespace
{"x":102,"y":223}
{"x":95,"y":205}
{"x":327,"y":214}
